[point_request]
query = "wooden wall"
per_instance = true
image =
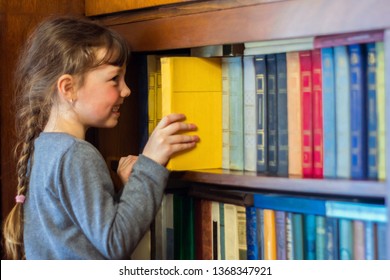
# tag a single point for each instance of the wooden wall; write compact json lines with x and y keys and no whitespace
{"x":18,"y":18}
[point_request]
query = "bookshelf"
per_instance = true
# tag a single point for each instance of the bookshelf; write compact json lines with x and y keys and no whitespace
{"x":202,"y":23}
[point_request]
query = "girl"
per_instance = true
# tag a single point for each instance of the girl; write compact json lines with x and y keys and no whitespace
{"x":70,"y":77}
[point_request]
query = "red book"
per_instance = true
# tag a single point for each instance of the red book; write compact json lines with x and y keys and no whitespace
{"x":305,"y":61}
{"x":345,"y":39}
{"x":203,"y":230}
{"x":318,"y":145}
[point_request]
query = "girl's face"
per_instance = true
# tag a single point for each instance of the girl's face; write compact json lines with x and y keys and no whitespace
{"x":99,"y":98}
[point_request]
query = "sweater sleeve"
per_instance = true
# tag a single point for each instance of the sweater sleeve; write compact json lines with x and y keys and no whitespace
{"x":114,"y":227}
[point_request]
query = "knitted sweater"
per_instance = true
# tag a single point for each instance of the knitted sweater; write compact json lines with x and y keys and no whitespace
{"x":71,"y":209}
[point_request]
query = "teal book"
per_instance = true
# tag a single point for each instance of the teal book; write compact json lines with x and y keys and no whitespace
{"x":250,"y":151}
{"x":261,"y":114}
{"x":272,"y":109}
{"x":236,"y":114}
{"x":343,"y":115}
{"x":329,"y":113}
{"x":369,"y":241}
{"x":309,"y":225}
{"x":251,"y":234}
{"x":372,"y":113}
{"x":298,"y":232}
{"x":222,"y":230}
{"x":320,"y":238}
{"x":289,"y":236}
{"x":282,"y":121}
{"x":260,"y":232}
{"x":356,"y":211}
{"x":346,"y":239}
{"x":358,"y":111}
{"x":332,"y":239}
{"x":281,"y":242}
{"x":381,"y":238}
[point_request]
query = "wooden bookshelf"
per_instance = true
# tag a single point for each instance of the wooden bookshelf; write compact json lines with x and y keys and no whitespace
{"x":202,"y":23}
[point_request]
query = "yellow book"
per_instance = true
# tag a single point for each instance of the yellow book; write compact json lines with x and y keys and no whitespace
{"x":381,"y":110}
{"x":193,"y":86}
{"x":269,"y":235}
{"x":154,"y":91}
{"x":294,"y":115}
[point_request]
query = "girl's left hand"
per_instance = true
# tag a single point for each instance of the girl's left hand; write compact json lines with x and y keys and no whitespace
{"x":125,"y":166}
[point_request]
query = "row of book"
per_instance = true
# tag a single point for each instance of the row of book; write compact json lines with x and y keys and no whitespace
{"x":313,"y":109}
{"x":273,"y":227}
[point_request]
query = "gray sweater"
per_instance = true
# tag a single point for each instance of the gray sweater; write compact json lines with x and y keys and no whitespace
{"x":71,"y":209}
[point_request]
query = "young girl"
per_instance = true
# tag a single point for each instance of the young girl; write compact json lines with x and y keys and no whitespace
{"x":71,"y":77}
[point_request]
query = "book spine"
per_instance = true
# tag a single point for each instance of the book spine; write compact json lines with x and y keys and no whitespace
{"x":358,"y":112}
{"x":241,"y":233}
{"x":261,"y":114}
{"x":305,"y":60}
{"x":249,"y":114}
{"x":289,"y":236}
{"x":328,"y":113}
{"x":332,"y":239}
{"x":318,"y":144}
{"x":320,"y":238}
{"x":358,"y":240}
{"x":297,"y":222}
{"x":269,"y":235}
{"x":260,"y":232}
{"x":346,"y":239}
{"x":369,"y":241}
{"x":372,"y":113}
{"x":381,"y":238}
{"x":152,"y":95}
{"x":222,"y":230}
{"x":309,"y":237}
{"x":272,"y":109}
{"x":381,"y":111}
{"x":236,"y":114}
{"x":251,"y":234}
{"x":225,"y":114}
{"x":282,"y":125}
{"x":281,"y":243}
{"x":356,"y":211}
{"x":231,"y":233}
{"x":294,"y":115}
{"x":343,"y":121}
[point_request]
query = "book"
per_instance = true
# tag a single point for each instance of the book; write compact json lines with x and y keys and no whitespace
{"x":282,"y":122}
{"x":278,"y":46}
{"x":225,"y":114}
{"x":231,"y":232}
{"x":204,"y":230}
{"x":272,"y":114}
{"x":169,"y":226}
{"x":343,"y":115}
{"x":356,"y":211}
{"x":305,"y":60}
{"x":260,"y":231}
{"x":369,"y":241}
{"x":289,"y":236}
{"x":320,"y":238}
{"x":281,"y":242}
{"x":215,"y":218}
{"x":154,"y":93}
{"x":328,"y":113}
{"x":381,"y":241}
{"x":358,"y":240}
{"x":318,"y":144}
{"x":381,"y":105}
{"x":348,"y":38}
{"x":249,"y":114}
{"x":345,"y":239}
{"x":251,"y":234}
{"x":332,"y":239}
{"x":236,"y":114}
{"x":298,"y":232}
{"x":261,"y":114}
{"x":309,"y":227}
{"x":184,"y":227}
{"x":193,"y":86}
{"x":372,"y":113}
{"x":269,"y":235}
{"x":241,"y":232}
{"x":358,"y":112}
{"x":294,"y":119}
{"x":222,"y":230}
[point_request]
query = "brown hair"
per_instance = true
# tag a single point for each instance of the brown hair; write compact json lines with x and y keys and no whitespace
{"x":60,"y":45}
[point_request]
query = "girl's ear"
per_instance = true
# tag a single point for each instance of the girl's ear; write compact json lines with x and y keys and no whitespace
{"x":66,"y":86}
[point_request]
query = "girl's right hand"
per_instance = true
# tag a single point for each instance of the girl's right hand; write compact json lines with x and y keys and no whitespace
{"x":167,"y":139}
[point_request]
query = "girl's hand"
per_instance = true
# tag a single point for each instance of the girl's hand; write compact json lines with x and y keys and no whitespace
{"x":166,"y":140}
{"x":125,"y":166}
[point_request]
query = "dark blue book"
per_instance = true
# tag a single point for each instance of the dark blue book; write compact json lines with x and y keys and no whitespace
{"x":358,"y":112}
{"x":282,"y":124}
{"x":332,"y":239}
{"x":372,"y":123}
{"x":281,"y":242}
{"x":272,"y":109}
{"x":261,"y":114}
{"x":309,"y":224}
{"x":329,"y":113}
{"x":251,"y":234}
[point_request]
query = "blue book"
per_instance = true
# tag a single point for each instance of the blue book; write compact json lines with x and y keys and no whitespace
{"x":297,"y":224}
{"x":281,"y":243}
{"x":346,"y":239}
{"x":320,"y":238}
{"x":289,"y":236}
{"x":309,"y":224}
{"x":329,"y":112}
{"x":272,"y":109}
{"x":372,"y":113}
{"x":369,"y":241}
{"x":260,"y":232}
{"x":222,"y":230}
{"x":251,"y":234}
{"x":282,"y":120}
{"x":332,"y":239}
{"x":236,"y":114}
{"x":381,"y":244}
{"x":356,"y":211}
{"x":358,"y":112}
{"x":343,"y":115}
{"x":261,"y":114}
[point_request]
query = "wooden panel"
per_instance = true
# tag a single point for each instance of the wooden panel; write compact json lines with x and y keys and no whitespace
{"x":274,"y":20}
{"x":99,"y":7}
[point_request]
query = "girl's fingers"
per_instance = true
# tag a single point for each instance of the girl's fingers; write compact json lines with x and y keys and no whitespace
{"x":169,"y":119}
{"x":178,"y":139}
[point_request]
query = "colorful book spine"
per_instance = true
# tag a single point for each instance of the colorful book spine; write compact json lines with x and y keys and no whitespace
{"x":225,"y":114}
{"x":236,"y":114}
{"x":297,"y":222}
{"x":269,"y":235}
{"x":381,"y":107}
{"x":328,"y":113}
{"x":203,"y":227}
{"x":260,"y":231}
{"x":356,"y":211}
{"x":318,"y":144}
{"x":241,"y":232}
{"x":381,"y":241}
{"x":320,"y":238}
{"x":305,"y":59}
{"x":369,"y":241}
{"x":309,"y":225}
{"x":251,"y":234}
{"x":358,"y":112}
{"x":289,"y":236}
{"x":358,"y":240}
{"x":343,"y":116}
{"x":372,"y":113}
{"x":231,"y":232}
{"x":294,"y":115}
{"x":261,"y":114}
{"x":222,"y":230}
{"x":332,"y":239}
{"x":281,"y":242}
{"x":346,"y":239}
{"x":249,"y":114}
{"x":282,"y":124}
{"x":272,"y":109}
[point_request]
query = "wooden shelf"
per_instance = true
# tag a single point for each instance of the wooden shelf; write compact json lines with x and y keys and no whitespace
{"x":251,"y":181}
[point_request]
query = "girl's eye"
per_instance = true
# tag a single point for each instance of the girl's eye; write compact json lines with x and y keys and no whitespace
{"x":115,"y":79}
